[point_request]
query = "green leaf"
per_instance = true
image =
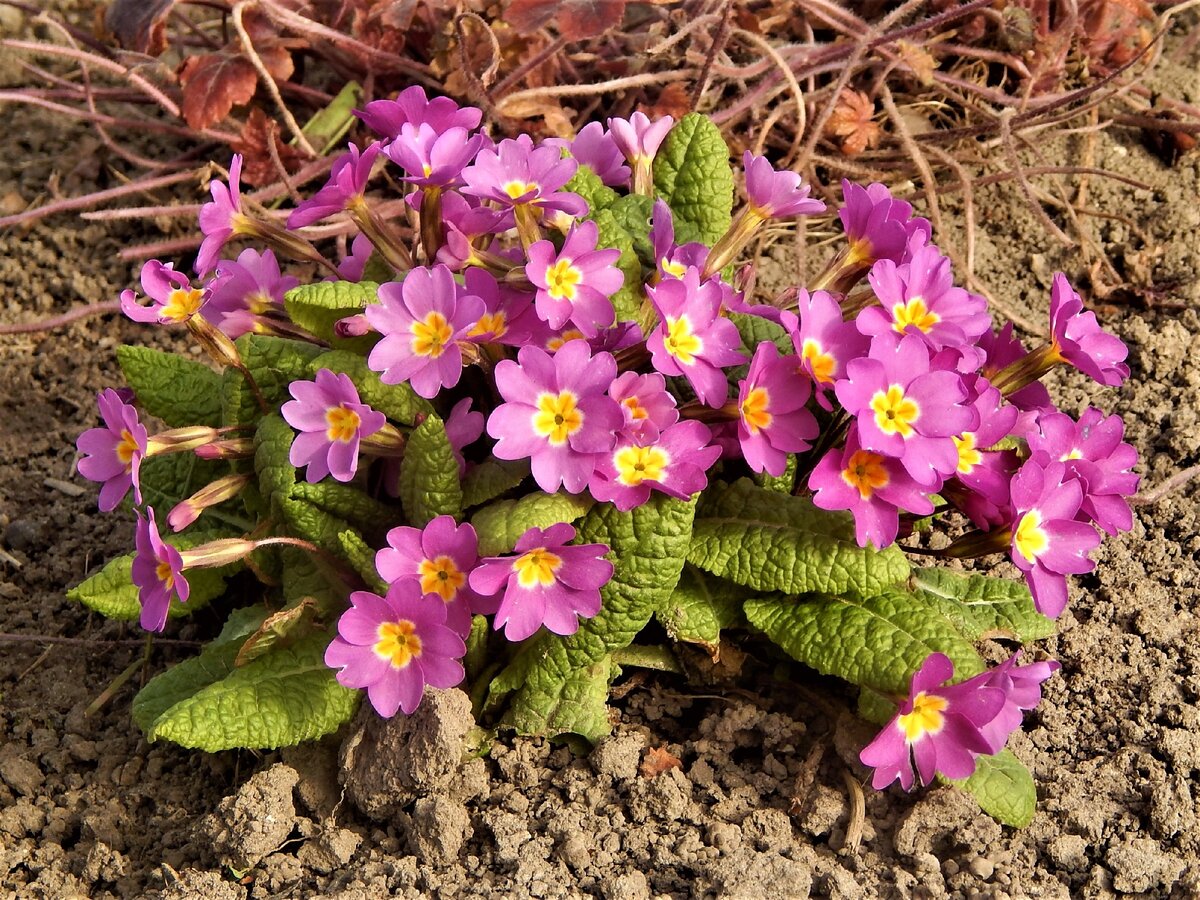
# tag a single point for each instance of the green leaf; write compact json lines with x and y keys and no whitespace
{"x":773,"y":542}
{"x":305,"y":576}
{"x":755,"y":330}
{"x":1004,"y":788}
{"x":491,"y":478}
{"x":313,"y":524}
{"x":429,"y":485}
{"x":177,"y":390}
{"x":700,"y":607}
{"x":112,"y":593}
{"x":501,"y":524}
{"x":587,"y":184}
{"x":348,"y":503}
{"x":275,"y":363}
{"x":318,"y":306}
{"x":557,"y":682}
{"x":396,"y":401}
{"x":875,"y":643}
{"x":692,"y":173}
{"x":281,"y":698}
{"x":362,"y":557}
{"x":783,"y":484}
{"x":281,"y":627}
{"x":627,"y":301}
{"x":186,"y":678}
{"x":982,"y":606}
{"x":272,"y":444}
{"x":167,"y":479}
{"x":632,"y":212}
{"x":328,"y":126}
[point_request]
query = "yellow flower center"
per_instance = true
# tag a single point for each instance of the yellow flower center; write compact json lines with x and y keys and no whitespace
{"x":1031,"y":539}
{"x":866,"y":473}
{"x":1073,"y":454}
{"x":426,"y":169}
{"x":441,"y":576}
{"x":637,"y":464}
{"x":968,"y":456}
{"x":914,"y":313}
{"x":754,"y":410}
{"x":342,"y":424}
{"x":820,"y":363}
{"x":676,"y":269}
{"x":181,"y":305}
{"x":126,"y":448}
{"x":495,"y":324}
{"x":562,"y":279}
{"x":397,"y":643}
{"x":681,"y":342}
{"x":555,"y":343}
{"x":925,"y":719}
{"x":258,"y":303}
{"x":637,"y":412}
{"x":517,"y":188}
{"x":165,"y":576}
{"x":860,"y":252}
{"x":430,"y":335}
{"x":895,"y":413}
{"x":536,"y":568}
{"x":558,"y":417}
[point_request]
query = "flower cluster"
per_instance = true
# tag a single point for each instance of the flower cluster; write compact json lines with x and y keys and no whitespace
{"x":538,"y":321}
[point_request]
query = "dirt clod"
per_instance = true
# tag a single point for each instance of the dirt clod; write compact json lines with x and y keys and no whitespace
{"x":256,"y":821}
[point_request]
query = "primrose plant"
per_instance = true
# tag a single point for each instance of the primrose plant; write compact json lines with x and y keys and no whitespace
{"x":531,"y":407}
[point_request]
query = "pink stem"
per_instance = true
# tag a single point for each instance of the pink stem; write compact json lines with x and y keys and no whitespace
{"x":83,"y":312}
{"x":96,"y":198}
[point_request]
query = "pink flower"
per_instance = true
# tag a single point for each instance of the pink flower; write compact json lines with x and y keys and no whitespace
{"x":595,"y":148}
{"x":413,"y":107}
{"x":1001,"y":350}
{"x":395,"y":645}
{"x":996,"y":421}
{"x":347,"y":182}
{"x":422,"y":320}
{"x":331,"y":421}
{"x":158,"y":573}
{"x":246,"y":291}
{"x":671,"y":259}
{"x":221,"y":218}
{"x":647,"y":405}
{"x":692,"y":338}
{"x":508,"y":314}
{"x":556,"y":413}
{"x":877,"y":225}
{"x":639,"y":138}
{"x":432,"y":158}
{"x":547,"y":583}
{"x":438,"y":559}
{"x":463,"y":427}
{"x":823,"y":341}
{"x":575,"y":283}
{"x":464,"y":220}
{"x":777,"y":195}
{"x":674,"y":462}
{"x":518,"y":174}
{"x":1047,"y":542}
{"x":1078,"y":339}
{"x":174,"y":299}
{"x":773,"y":419}
{"x":1022,"y":687}
{"x":872,"y":486}
{"x":113,"y":454}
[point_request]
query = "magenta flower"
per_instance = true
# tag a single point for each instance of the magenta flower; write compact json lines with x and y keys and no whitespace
{"x":873,"y":487}
{"x":1078,"y":339}
{"x":774,"y":194}
{"x":919,"y":297}
{"x":996,"y":421}
{"x":113,"y":454}
{"x":773,"y":419}
{"x":432,"y":158}
{"x":174,"y":299}
{"x":1001,"y":350}
{"x":221,"y":218}
{"x":595,"y":148}
{"x":518,"y":174}
{"x":1022,"y":687}
{"x":1093,"y":453}
{"x":638,"y":138}
{"x":939,"y":728}
{"x":647,"y":405}
{"x":354,"y":263}
{"x":905,"y":409}
{"x":548,"y":583}
{"x":675,"y":463}
{"x":823,"y":341}
{"x":1048,"y":543}
{"x":395,"y":645}
{"x":463,"y":427}
{"x":877,"y":225}
{"x":157,"y":572}
{"x":331,"y":421}
{"x":438,"y":559}
{"x":413,"y":107}
{"x":463,"y":221}
{"x":692,"y":338}
{"x":422,"y":320}
{"x":672,"y":259}
{"x":509,"y":317}
{"x":246,"y":291}
{"x":347,"y":182}
{"x":575,"y":283}
{"x":556,"y":413}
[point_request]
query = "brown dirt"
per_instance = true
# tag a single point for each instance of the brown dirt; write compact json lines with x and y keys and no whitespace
{"x":761,"y":804}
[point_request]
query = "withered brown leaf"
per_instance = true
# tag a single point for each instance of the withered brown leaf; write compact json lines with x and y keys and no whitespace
{"x":254,"y":143}
{"x":852,"y":121}
{"x":658,"y":760}
{"x":213,"y":84}
{"x":576,"y":20}
{"x":139,"y":25}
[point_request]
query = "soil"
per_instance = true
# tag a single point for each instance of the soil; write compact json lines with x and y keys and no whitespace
{"x":761,"y":802}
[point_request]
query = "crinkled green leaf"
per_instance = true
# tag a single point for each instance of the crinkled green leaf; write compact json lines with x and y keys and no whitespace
{"x":112,"y":593}
{"x":304,"y":575}
{"x":700,"y":607}
{"x":281,"y":698}
{"x":184,"y":679}
{"x":318,"y":306}
{"x":313,"y":524}
{"x":554,"y":680}
{"x":349,"y":503}
{"x":272,"y":444}
{"x":875,"y":643}
{"x":177,"y":390}
{"x":1004,"y":788}
{"x":491,"y":478}
{"x":587,"y":184}
{"x":167,"y":479}
{"x":396,"y":401}
{"x":773,"y":542}
{"x":754,"y":330}
{"x":501,"y":524}
{"x":361,"y":556}
{"x":692,"y":173}
{"x":275,"y":363}
{"x":782,"y":484}
{"x":429,"y":485}
{"x":632,"y":212}
{"x":982,"y":606}
{"x":284,"y":626}
{"x":627,"y":301}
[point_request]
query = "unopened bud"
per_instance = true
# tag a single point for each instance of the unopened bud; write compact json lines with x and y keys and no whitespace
{"x":178,"y":439}
{"x":217,"y":553}
{"x":188,"y":511}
